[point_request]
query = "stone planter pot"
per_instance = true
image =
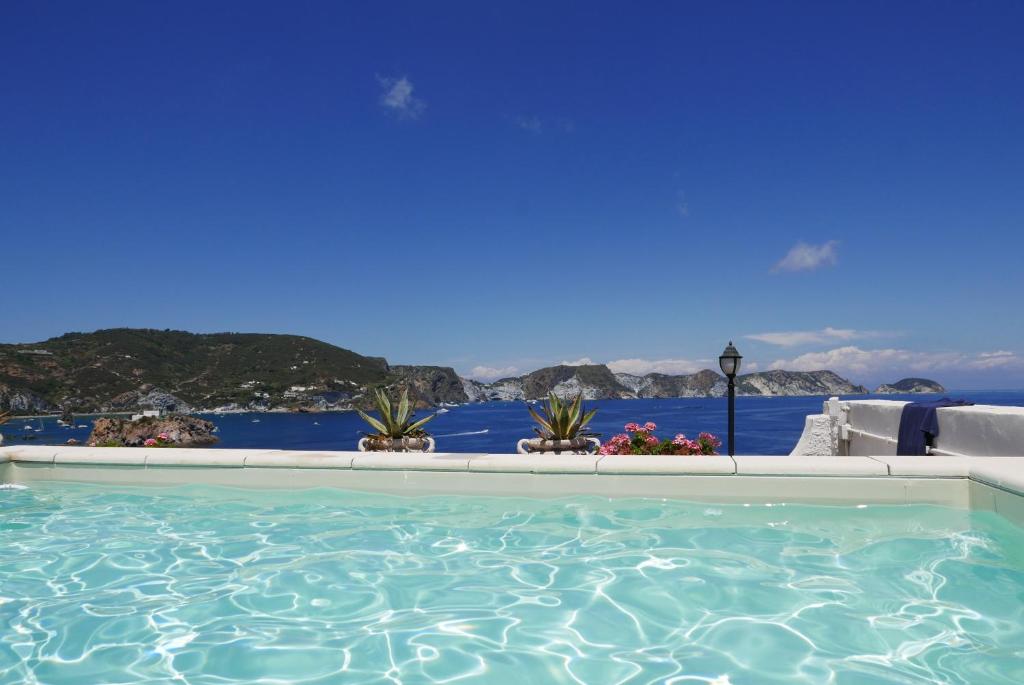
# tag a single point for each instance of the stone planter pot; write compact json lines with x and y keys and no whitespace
{"x":396,"y":444}
{"x":542,"y":446}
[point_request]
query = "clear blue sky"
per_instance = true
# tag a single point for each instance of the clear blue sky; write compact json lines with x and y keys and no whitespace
{"x":500,"y":186}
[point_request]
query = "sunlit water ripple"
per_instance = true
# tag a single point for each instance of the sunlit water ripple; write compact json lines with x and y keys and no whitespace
{"x":190,"y":585}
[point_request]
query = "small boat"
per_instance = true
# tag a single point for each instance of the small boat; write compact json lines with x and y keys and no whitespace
{"x":316,"y":423}
{"x":442,"y":410}
{"x":255,"y":420}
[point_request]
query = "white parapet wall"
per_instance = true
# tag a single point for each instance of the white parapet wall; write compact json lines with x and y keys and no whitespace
{"x":871,"y":428}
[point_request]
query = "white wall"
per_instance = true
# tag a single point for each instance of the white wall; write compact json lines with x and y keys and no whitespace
{"x":978,"y":431}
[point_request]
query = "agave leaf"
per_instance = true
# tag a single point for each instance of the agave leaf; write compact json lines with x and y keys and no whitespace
{"x":544,"y":421}
{"x":403,"y":409}
{"x":386,"y":415}
{"x":377,"y":425}
{"x":587,"y":417}
{"x":419,"y":424}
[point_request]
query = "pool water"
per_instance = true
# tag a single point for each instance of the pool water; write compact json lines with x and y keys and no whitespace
{"x":215,"y":585}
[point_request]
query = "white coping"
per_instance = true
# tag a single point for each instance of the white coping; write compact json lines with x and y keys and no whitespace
{"x":534,"y":463}
{"x":665,"y":465}
{"x":810,"y":466}
{"x":932,"y":466}
{"x":1006,"y":473}
{"x":979,"y":483}
{"x":1002,"y":472}
{"x":411,"y":461}
{"x":294,"y":459}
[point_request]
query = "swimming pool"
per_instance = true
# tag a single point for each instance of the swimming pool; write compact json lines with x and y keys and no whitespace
{"x":198,"y":584}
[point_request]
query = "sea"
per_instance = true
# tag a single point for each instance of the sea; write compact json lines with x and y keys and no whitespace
{"x":764,"y":425}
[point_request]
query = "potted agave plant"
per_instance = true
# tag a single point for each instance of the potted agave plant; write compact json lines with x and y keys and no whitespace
{"x":395,"y":431}
{"x":561,"y":427}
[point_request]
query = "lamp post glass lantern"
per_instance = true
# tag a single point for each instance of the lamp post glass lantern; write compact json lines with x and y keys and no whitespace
{"x":729,"y":361}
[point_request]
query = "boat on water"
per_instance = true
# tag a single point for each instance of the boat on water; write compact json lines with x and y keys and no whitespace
{"x":442,"y":410}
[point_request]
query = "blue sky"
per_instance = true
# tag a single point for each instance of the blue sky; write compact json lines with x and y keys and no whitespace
{"x":501,"y":186}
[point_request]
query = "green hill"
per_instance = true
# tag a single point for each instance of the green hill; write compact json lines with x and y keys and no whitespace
{"x":88,"y":371}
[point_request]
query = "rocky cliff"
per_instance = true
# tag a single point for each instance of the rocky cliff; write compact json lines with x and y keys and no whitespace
{"x":909,"y":385}
{"x":431,"y":385}
{"x":598,"y":382}
{"x":796,"y":383}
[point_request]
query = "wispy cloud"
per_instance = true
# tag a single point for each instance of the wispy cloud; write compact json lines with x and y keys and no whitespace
{"x":531,"y":124}
{"x":397,"y":97}
{"x":825,"y":335}
{"x":805,"y":257}
{"x":535,"y":124}
{"x":492,"y":373}
{"x":640,"y":367}
{"x":582,"y":361}
{"x":682,"y":204}
{"x":995,"y":360}
{"x":856,"y":361}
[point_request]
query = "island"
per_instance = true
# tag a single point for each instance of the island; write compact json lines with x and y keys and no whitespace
{"x":909,"y":386}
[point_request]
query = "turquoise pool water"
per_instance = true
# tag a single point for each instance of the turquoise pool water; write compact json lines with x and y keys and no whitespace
{"x":221,"y":586}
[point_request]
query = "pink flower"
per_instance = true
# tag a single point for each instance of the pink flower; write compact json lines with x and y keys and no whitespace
{"x":649,"y":426}
{"x":163,"y":437}
{"x":679,"y":440}
{"x":150,"y":442}
{"x":651,"y":440}
{"x":710,"y":438}
{"x":632,"y":427}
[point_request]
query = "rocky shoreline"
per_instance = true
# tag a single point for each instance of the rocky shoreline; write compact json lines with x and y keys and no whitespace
{"x":152,"y":431}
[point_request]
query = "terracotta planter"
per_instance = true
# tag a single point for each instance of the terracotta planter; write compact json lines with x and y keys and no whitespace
{"x":396,"y":444}
{"x":542,"y":446}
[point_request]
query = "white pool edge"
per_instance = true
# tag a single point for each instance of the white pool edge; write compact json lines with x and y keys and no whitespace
{"x":984,"y":483}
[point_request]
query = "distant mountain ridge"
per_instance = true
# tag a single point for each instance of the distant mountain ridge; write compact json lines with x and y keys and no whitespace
{"x":128,"y":369}
{"x":597,"y":381}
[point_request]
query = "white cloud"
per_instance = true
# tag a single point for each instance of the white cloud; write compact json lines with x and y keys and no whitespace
{"x":535,"y":124}
{"x":825,"y":335}
{"x":640,"y":367}
{"x":531,"y":124}
{"x":895,"y":362}
{"x":491,"y":373}
{"x":994,"y":360}
{"x":804,"y":257}
{"x":582,"y":361}
{"x":397,"y":97}
{"x":682,"y":205}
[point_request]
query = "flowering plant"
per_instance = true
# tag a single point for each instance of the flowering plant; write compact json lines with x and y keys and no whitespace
{"x":161,"y":440}
{"x":640,"y":439}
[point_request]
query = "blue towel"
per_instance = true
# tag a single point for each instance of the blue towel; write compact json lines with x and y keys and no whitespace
{"x":919,"y":424}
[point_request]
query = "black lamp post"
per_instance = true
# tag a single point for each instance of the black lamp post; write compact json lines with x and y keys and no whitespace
{"x":730,"y":363}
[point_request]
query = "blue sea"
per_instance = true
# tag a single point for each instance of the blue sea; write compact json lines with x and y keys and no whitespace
{"x":764,"y":425}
